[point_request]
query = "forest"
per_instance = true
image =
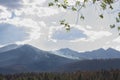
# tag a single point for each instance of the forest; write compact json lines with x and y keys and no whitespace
{"x":78,"y":75}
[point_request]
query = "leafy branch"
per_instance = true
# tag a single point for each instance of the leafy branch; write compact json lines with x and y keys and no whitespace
{"x":103,"y":4}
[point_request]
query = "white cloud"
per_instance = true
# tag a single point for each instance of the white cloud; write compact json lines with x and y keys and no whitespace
{"x":4,"y":13}
{"x":117,"y":40}
{"x":35,"y":8}
{"x":33,"y":2}
{"x":36,"y":11}
{"x":88,"y":27}
{"x":94,"y":35}
{"x":117,"y":48}
{"x":32,"y":28}
{"x":77,"y":34}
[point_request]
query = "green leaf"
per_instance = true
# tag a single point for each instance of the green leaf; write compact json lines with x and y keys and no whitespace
{"x":62,"y":22}
{"x":119,"y":14}
{"x":64,"y":6}
{"x":94,"y":1}
{"x":103,"y":5}
{"x":66,"y":24}
{"x":85,"y":1}
{"x":108,"y":1}
{"x":112,"y":26}
{"x":117,"y":20}
{"x":82,"y":17}
{"x":58,"y":5}
{"x":74,"y":9}
{"x":66,"y":2}
{"x":51,"y":4}
{"x":111,"y":7}
{"x":119,"y":28}
{"x":55,"y":0}
{"x":101,"y":16}
{"x":68,"y":27}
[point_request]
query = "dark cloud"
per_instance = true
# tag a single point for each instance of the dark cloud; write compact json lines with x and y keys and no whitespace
{"x":11,"y":4}
{"x":71,"y":35}
{"x":11,"y":34}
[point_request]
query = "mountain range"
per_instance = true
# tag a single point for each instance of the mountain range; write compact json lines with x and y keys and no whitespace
{"x":26,"y":58}
{"x":95,"y":54}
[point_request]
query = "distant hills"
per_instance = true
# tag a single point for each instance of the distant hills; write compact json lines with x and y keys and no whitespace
{"x":95,"y":54}
{"x":26,"y":58}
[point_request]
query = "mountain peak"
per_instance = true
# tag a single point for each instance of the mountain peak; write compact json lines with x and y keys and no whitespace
{"x":100,"y":49}
{"x":66,"y":52}
{"x":29,"y":47}
{"x":110,"y":49}
{"x":97,"y":50}
{"x":26,"y":45}
{"x":65,"y":49}
{"x":8,"y":47}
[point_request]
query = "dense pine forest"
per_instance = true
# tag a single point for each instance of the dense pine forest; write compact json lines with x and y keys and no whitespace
{"x":86,"y":75}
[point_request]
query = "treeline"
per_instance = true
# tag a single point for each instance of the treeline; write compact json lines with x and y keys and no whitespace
{"x":86,"y":75}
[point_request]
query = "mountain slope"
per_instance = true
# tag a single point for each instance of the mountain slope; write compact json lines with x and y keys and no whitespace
{"x":66,"y":52}
{"x":92,"y":65}
{"x":8,"y":47}
{"x":27,"y":59}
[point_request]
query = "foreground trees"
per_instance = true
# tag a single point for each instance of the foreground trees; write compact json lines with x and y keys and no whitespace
{"x":87,"y":75}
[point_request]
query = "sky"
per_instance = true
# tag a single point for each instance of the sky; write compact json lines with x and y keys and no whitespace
{"x":33,"y":22}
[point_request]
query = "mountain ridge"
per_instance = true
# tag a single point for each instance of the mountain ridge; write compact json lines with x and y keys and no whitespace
{"x":69,"y":53}
{"x":95,"y":54}
{"x":27,"y":58}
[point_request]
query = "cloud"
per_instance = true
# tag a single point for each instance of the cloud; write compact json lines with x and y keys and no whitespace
{"x":29,"y":26}
{"x":117,"y":40}
{"x":62,"y":34}
{"x":38,"y":11}
{"x":76,"y":34}
{"x":10,"y":34}
{"x":93,"y":35}
{"x":32,"y":26}
{"x":34,"y":2}
{"x":4,"y":13}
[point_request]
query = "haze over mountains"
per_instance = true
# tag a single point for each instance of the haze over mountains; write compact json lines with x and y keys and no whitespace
{"x":26,"y":58}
